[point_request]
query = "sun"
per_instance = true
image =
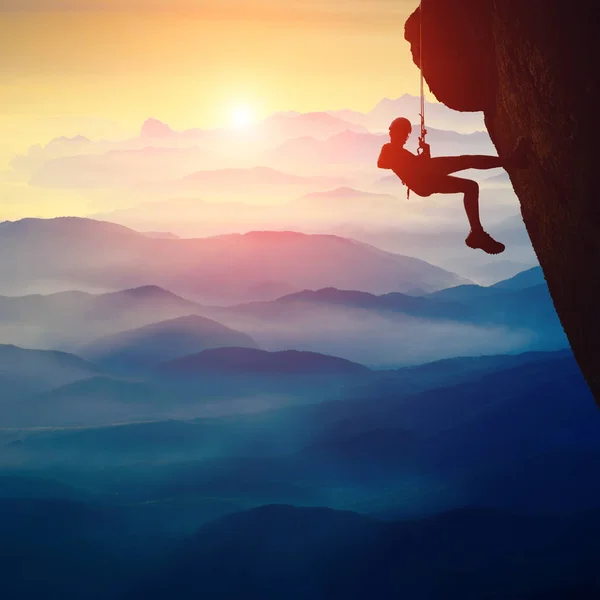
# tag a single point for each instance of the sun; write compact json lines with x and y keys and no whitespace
{"x":242,"y":116}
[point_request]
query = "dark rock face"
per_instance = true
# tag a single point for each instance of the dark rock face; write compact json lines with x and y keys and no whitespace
{"x":531,"y":67}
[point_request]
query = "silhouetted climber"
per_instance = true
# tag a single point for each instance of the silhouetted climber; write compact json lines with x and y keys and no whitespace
{"x":425,"y":175}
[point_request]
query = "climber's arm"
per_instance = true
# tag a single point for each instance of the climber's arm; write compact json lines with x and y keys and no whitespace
{"x":385,"y":160}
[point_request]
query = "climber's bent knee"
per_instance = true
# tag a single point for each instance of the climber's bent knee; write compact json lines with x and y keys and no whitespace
{"x":471,"y":187}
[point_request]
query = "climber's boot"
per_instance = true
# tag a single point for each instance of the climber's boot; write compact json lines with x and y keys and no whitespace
{"x":485,"y":242}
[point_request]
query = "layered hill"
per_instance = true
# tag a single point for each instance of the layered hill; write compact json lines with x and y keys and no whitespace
{"x":72,"y":253}
{"x":70,"y":319}
{"x":160,"y":342}
{"x":26,"y":371}
{"x":316,"y":550}
{"x":248,"y":361}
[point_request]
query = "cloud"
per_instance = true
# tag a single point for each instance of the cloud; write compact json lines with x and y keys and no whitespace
{"x":162,"y":154}
{"x":310,"y":143}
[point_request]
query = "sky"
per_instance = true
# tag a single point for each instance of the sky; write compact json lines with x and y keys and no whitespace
{"x":100,"y":67}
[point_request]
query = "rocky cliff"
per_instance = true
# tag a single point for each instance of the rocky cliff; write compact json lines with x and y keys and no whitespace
{"x":531,"y":67}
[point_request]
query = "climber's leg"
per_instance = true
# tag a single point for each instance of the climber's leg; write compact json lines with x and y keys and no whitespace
{"x":477,"y":238}
{"x":444,"y":165}
{"x":458,"y":185}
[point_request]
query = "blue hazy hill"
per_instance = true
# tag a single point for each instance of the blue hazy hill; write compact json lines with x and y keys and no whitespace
{"x":521,"y":281}
{"x":297,"y":553}
{"x":510,"y":302}
{"x":70,"y":320}
{"x":393,"y":302}
{"x":164,"y":341}
{"x":277,"y":551}
{"x":24,"y":371}
{"x":469,"y":434}
{"x":249,"y":361}
{"x":524,"y":279}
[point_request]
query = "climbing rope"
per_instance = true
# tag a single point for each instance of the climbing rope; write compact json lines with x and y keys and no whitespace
{"x":422,"y":81}
{"x":421,"y":147}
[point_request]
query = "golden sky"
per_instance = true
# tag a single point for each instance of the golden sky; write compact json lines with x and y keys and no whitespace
{"x":100,"y":67}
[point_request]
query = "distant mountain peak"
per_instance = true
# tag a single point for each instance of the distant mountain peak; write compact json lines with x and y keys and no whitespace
{"x":166,"y":340}
{"x":62,"y":225}
{"x":163,"y":235}
{"x":153,"y":128}
{"x":525,"y":279}
{"x":258,"y":174}
{"x":340,"y":192}
{"x":349,"y":135}
{"x":147,"y":291}
{"x":12,"y":352}
{"x":187,"y":320}
{"x":329,"y":294}
{"x":274,"y":234}
{"x":78,"y":139}
{"x":288,"y":235}
{"x":346,"y":192}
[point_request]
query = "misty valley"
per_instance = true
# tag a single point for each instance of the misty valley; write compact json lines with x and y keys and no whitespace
{"x":285,"y":440}
{"x":247,"y":367}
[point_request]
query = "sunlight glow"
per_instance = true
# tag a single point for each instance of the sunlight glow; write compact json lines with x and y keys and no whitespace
{"x":242,"y":116}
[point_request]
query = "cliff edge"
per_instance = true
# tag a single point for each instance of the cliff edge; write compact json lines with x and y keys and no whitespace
{"x":530,"y":67}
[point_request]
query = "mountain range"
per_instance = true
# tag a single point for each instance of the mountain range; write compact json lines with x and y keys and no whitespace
{"x":437,"y":415}
{"x":393,"y":329}
{"x":249,"y":182}
{"x":88,"y":254}
{"x":379,"y":330}
{"x":314,"y":550}
{"x":177,"y":412}
{"x":355,"y":148}
{"x":71,"y":319}
{"x":314,"y":212}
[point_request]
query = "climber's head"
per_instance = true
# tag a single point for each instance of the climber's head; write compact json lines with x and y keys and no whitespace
{"x":400,"y":129}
